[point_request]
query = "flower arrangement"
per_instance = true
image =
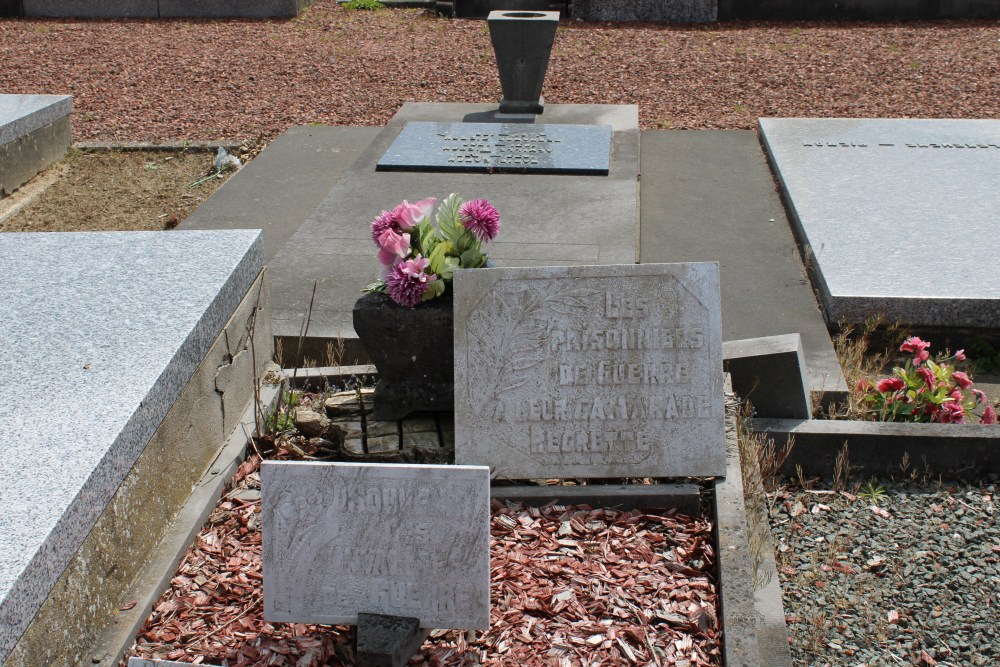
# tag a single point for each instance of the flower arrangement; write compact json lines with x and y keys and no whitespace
{"x":419,"y":255}
{"x":926,"y":389}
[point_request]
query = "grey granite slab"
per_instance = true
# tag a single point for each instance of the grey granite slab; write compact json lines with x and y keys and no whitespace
{"x":23,"y":114}
{"x":397,"y":540}
{"x":102,"y":332}
{"x":590,"y":371}
{"x":334,"y":246}
{"x":92,"y":8}
{"x":899,"y":216}
{"x":500,"y":148}
{"x":681,"y":11}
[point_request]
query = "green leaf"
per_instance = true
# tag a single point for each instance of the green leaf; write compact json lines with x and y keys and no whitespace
{"x":439,"y":256}
{"x":472,"y":259}
{"x":378,"y":286}
{"x":447,"y":218}
{"x":450,"y":265}
{"x":435,"y":288}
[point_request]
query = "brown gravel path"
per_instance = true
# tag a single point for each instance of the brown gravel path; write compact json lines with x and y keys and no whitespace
{"x":140,"y":80}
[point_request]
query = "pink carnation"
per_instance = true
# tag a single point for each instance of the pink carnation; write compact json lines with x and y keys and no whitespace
{"x":407,"y":281}
{"x":951,"y":412}
{"x":928,"y":376}
{"x":890,"y":384}
{"x":917,"y":347}
{"x":960,"y":355}
{"x":961,"y":379}
{"x":481,"y":218}
{"x":989,"y":416}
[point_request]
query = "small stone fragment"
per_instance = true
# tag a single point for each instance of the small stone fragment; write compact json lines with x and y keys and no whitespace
{"x":310,"y":424}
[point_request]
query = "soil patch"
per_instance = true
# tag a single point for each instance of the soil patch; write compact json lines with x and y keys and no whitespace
{"x":115,"y":191}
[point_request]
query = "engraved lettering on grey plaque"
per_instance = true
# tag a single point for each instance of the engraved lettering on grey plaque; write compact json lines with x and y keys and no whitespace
{"x":609,"y":371}
{"x":345,"y":538}
{"x":500,"y":147}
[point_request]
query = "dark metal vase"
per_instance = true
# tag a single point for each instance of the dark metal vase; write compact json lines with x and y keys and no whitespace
{"x":522,"y":42}
{"x":412,"y":348}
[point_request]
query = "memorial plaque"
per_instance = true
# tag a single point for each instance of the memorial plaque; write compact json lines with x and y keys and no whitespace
{"x":397,"y":540}
{"x":878,"y":202}
{"x":591,"y":371}
{"x":499,"y":148}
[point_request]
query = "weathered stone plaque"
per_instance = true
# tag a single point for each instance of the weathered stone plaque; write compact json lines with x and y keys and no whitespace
{"x":347,"y":538}
{"x":881,"y":201}
{"x":590,"y":371}
{"x":500,"y":147}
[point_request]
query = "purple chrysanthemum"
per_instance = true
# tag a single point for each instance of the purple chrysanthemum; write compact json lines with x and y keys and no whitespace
{"x":481,"y":218}
{"x":407,"y":282}
{"x":384,"y":221}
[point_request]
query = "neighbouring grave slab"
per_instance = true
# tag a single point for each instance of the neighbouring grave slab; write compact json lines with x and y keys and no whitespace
{"x":34,"y":133}
{"x":500,"y":148}
{"x":164,"y":8}
{"x":396,"y":540}
{"x":599,"y":371}
{"x":115,"y":324}
{"x":898,"y":215}
{"x":334,"y":246}
{"x":681,"y":11}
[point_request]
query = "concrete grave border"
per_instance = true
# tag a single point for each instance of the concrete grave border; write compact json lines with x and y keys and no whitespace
{"x":257,"y":9}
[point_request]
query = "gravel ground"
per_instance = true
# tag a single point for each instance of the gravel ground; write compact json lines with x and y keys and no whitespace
{"x":900,"y":574}
{"x":142,"y":80}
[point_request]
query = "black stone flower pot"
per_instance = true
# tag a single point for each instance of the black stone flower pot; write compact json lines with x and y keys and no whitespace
{"x":412,"y":350}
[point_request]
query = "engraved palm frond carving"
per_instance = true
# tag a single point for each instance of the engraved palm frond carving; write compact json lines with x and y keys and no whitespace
{"x":511,"y":341}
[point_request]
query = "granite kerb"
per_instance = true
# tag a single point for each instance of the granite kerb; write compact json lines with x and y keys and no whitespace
{"x":23,"y":114}
{"x":877,"y":448}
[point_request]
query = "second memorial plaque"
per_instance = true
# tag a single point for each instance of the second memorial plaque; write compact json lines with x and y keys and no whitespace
{"x":590,"y":371}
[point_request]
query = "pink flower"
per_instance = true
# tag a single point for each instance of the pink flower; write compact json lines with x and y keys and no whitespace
{"x":481,"y":218}
{"x":980,"y":396}
{"x":956,"y":394}
{"x":381,"y":224}
{"x":407,"y":281}
{"x":409,"y":215}
{"x":951,"y":412}
{"x":928,"y":376}
{"x":393,"y":246}
{"x":917,"y":347}
{"x":961,"y":379}
{"x":989,"y":416}
{"x":960,"y":355}
{"x":890,"y":384}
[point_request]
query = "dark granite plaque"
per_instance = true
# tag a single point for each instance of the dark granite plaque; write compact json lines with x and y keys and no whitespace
{"x":500,"y":148}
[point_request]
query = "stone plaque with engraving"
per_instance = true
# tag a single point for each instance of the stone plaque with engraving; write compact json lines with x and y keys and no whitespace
{"x":398,"y":540}
{"x":500,"y":147}
{"x":590,"y":371}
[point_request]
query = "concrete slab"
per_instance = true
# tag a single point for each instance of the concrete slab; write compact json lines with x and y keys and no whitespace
{"x":282,"y":186}
{"x":34,"y":133}
{"x":877,"y":201}
{"x":23,"y":114}
{"x":334,"y":247}
{"x":681,"y":11}
{"x":709,"y":196}
{"x":122,"y":320}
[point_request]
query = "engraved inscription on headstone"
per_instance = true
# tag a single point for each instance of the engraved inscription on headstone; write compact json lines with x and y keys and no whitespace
{"x":595,"y":371}
{"x":500,"y":147}
{"x":345,"y":538}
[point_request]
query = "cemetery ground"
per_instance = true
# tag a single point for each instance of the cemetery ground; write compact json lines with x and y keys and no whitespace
{"x":108,"y":190}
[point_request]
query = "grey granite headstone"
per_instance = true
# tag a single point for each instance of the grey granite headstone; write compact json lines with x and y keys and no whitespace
{"x":397,"y":540}
{"x":591,"y":371}
{"x":899,"y":216}
{"x":500,"y":148}
{"x":114,"y":325}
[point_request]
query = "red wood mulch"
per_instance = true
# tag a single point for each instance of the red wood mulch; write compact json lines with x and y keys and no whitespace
{"x":570,"y":586}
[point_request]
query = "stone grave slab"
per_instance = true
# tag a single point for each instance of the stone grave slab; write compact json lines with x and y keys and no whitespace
{"x":898,"y":215}
{"x":599,"y":371}
{"x":34,"y":133}
{"x":334,"y":246}
{"x":111,"y":326}
{"x":500,"y":148}
{"x":396,"y":540}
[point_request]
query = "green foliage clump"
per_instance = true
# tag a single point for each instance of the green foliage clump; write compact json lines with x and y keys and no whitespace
{"x":363,"y":4}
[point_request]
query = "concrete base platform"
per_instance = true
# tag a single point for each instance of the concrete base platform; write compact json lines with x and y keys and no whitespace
{"x":34,"y":133}
{"x":704,"y":196}
{"x":165,"y":8}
